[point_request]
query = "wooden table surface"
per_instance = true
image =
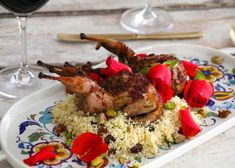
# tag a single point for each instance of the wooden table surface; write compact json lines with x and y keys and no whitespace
{"x":213,"y":17}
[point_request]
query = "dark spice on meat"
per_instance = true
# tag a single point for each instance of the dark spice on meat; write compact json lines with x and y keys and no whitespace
{"x":134,"y":83}
{"x":137,"y":63}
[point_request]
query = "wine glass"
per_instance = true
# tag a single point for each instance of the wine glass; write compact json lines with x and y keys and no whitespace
{"x":147,"y":20}
{"x":19,"y":81}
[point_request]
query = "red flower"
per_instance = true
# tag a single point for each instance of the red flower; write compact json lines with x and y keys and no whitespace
{"x":114,"y":67}
{"x":88,"y":146}
{"x":160,"y":76}
{"x":190,"y":68}
{"x":189,"y":127}
{"x":198,"y":92}
{"x":45,"y":153}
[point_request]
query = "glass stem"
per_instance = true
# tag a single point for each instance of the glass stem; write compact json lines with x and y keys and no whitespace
{"x":23,"y":77}
{"x":146,"y":15}
{"x":147,"y":5}
{"x":22,"y":22}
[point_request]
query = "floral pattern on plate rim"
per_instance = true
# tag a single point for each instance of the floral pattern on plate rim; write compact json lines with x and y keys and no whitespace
{"x":42,"y":130}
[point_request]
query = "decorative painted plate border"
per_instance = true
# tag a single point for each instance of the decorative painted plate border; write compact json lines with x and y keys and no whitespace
{"x":42,"y":129}
{"x":44,"y":98}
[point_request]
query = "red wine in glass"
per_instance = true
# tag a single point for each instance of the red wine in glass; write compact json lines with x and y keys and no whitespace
{"x":21,"y":80}
{"x":22,"y":7}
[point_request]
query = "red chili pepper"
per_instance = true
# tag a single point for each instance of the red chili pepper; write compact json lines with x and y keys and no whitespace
{"x":189,"y":127}
{"x":45,"y":153}
{"x":88,"y":146}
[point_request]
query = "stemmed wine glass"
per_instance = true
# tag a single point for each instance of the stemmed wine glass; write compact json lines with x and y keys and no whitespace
{"x":21,"y":80}
{"x":147,"y":20}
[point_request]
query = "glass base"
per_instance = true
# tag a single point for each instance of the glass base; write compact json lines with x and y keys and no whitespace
{"x":22,"y":77}
{"x":147,"y":20}
{"x":9,"y":87}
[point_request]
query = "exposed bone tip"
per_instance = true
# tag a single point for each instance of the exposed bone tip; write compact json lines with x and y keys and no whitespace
{"x":82,"y":36}
{"x":39,"y":62}
{"x":98,"y":45}
{"x":67,"y":64}
{"x":41,"y":75}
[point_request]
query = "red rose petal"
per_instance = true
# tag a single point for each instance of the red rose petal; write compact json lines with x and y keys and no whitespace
{"x":94,"y":152}
{"x":160,"y":76}
{"x":189,"y":127}
{"x":141,"y":55}
{"x":198,"y":92}
{"x":95,"y":76}
{"x":47,"y":148}
{"x":45,"y":153}
{"x":198,"y":102}
{"x":164,"y":90}
{"x":190,"y":68}
{"x":114,"y":67}
{"x":102,"y":71}
{"x":84,"y":142}
{"x":161,"y":72}
{"x":187,"y":90}
{"x":88,"y":146}
{"x":202,"y":87}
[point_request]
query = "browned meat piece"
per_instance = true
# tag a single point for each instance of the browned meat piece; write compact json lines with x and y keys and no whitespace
{"x":95,"y":99}
{"x":139,"y":106}
{"x":179,"y":78}
{"x":150,"y":108}
{"x":134,"y":83}
{"x":130,"y":93}
{"x":134,"y":95}
{"x":126,"y":55}
{"x":151,"y":116}
{"x":117,"y":47}
{"x":67,"y":69}
{"x":137,"y":63}
{"x":126,"y":88}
